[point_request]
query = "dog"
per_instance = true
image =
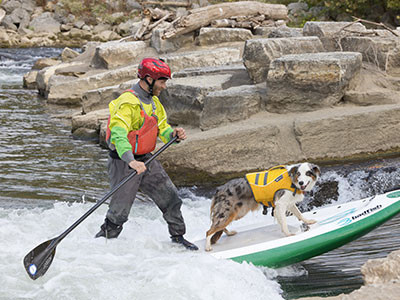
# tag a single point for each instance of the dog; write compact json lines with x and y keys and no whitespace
{"x":286,"y":186}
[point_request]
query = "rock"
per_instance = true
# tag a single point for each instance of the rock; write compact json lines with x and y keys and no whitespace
{"x":383,"y":270}
{"x":69,"y":90}
{"x":20,"y":17}
{"x":2,"y":14}
{"x":89,"y":121}
{"x":183,"y":100}
{"x":79,"y":34}
{"x":97,"y":99}
{"x":331,"y":33}
{"x":203,"y":58}
{"x":29,"y":80}
{"x":383,"y":52}
{"x":86,"y":134}
{"x":45,"y":23}
{"x":101,"y":27}
{"x":171,"y":44}
{"x":44,"y":75}
{"x":68,"y":54}
{"x":79,"y":24}
{"x":107,"y":35}
{"x":305,"y":82}
{"x":258,"y":53}
{"x":324,"y":138}
{"x":232,"y":104}
{"x":285,"y":32}
{"x":212,"y":36}
{"x":365,"y":98}
{"x":115,"y":54}
{"x":11,"y":5}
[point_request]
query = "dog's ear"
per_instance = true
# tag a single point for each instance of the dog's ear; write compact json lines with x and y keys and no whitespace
{"x":315,"y":169}
{"x":293,"y":170}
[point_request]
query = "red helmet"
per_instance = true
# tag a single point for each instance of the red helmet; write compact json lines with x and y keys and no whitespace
{"x":155,"y":68}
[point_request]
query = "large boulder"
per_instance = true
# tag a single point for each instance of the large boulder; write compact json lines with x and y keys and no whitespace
{"x":383,"y":52}
{"x":184,"y":98}
{"x":382,"y":270}
{"x":230,"y":105}
{"x":172,"y":44}
{"x":45,"y":23}
{"x":331,"y":33}
{"x":69,"y":90}
{"x":99,"y":98}
{"x":114,"y":54}
{"x":202,"y":58}
{"x":305,"y":82}
{"x":259,"y":53}
{"x":350,"y":133}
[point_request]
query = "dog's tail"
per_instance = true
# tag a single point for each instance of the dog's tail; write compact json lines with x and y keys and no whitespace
{"x":216,"y":236}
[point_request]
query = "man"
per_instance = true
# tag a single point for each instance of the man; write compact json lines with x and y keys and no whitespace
{"x":137,"y":118}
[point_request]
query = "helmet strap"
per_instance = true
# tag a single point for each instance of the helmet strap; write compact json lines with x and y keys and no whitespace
{"x":150,"y":85}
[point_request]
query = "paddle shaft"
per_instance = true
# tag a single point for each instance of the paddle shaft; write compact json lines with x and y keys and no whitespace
{"x":112,"y":192}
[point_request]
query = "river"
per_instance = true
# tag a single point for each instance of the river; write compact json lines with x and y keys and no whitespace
{"x":48,"y":180}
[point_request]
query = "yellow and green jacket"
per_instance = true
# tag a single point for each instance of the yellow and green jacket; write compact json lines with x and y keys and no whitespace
{"x":265,"y":184}
{"x":125,"y":117}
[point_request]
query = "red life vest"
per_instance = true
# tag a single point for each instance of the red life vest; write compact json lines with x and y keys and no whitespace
{"x":144,"y":139}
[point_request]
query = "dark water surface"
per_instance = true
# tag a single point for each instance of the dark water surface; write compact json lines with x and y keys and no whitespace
{"x":41,"y":163}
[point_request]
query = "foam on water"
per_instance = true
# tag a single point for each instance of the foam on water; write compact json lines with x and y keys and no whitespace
{"x":141,"y":264}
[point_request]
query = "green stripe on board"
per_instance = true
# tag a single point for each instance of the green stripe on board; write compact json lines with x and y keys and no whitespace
{"x":303,"y":250}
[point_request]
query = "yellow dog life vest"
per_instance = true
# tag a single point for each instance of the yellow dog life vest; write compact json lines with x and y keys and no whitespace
{"x":265,"y":184}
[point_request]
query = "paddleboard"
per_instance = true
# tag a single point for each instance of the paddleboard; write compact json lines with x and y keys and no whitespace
{"x":265,"y":244}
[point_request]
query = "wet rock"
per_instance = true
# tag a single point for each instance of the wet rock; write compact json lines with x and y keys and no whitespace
{"x":86,"y":134}
{"x":29,"y":80}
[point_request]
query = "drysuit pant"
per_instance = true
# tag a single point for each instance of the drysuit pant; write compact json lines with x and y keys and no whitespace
{"x":155,"y":183}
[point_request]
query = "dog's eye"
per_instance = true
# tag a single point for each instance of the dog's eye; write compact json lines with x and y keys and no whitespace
{"x":309,"y":173}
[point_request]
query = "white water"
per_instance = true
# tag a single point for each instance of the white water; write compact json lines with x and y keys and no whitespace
{"x":141,"y":264}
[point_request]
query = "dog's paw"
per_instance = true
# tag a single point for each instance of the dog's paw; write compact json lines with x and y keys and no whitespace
{"x":310,"y":222}
{"x":208,"y":249}
{"x":289,"y":234}
{"x":230,"y":233}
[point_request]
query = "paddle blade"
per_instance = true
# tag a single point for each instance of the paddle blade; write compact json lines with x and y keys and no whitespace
{"x":38,"y":261}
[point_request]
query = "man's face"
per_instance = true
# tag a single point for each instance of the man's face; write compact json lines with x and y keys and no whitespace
{"x":159,"y":85}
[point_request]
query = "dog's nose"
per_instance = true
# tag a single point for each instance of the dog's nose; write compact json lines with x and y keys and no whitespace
{"x":301,"y":183}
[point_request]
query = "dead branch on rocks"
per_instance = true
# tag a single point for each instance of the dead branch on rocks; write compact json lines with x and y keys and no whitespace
{"x":203,"y":16}
{"x":356,"y":20}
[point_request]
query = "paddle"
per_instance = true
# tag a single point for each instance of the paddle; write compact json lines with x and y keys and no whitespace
{"x":38,"y":261}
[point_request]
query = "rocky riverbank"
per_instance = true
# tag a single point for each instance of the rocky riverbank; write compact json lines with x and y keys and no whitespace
{"x":327,"y":92}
